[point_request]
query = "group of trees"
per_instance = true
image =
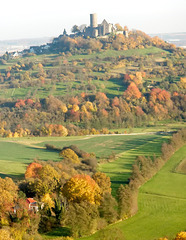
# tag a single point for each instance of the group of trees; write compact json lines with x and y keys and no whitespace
{"x":135,"y":39}
{"x":69,"y":193}
{"x":93,"y":113}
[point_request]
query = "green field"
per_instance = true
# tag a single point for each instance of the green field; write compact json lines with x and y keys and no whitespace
{"x":17,"y":153}
{"x":161,"y":203}
{"x":119,"y":170}
{"x":115,"y":53}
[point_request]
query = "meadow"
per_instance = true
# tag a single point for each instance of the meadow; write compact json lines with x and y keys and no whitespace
{"x":161,"y":205}
{"x":24,"y":150}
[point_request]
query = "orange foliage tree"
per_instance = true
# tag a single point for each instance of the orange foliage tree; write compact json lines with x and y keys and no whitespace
{"x":32,"y":170}
{"x":132,"y":92}
{"x":159,"y":95}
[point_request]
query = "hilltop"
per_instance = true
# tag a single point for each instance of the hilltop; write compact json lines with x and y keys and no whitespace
{"x":79,"y":85}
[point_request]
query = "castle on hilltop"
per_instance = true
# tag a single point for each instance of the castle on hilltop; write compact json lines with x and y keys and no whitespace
{"x":95,"y":29}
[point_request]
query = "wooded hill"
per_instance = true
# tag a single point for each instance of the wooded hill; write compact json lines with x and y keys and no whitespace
{"x":86,"y":86}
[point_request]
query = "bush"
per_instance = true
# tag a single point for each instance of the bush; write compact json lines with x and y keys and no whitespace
{"x":79,"y":152}
{"x":70,"y":154}
{"x":52,"y":147}
{"x":110,"y":234}
{"x":92,"y":162}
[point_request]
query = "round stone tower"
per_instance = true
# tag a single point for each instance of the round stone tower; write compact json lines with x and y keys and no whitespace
{"x":93,"y":20}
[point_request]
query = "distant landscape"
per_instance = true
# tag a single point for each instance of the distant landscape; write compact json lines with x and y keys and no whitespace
{"x":21,"y":44}
{"x":92,"y":135}
{"x":179,"y":39}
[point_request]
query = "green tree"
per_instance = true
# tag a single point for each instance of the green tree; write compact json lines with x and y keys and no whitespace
{"x":82,"y":218}
{"x":107,"y":208}
{"x":75,"y":29}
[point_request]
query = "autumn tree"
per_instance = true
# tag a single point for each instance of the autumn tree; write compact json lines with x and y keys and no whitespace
{"x":48,"y":181}
{"x":5,"y":234}
{"x":8,"y":193}
{"x":103,"y":182}
{"x":32,"y":170}
{"x":118,"y":27}
{"x":82,"y":188}
{"x":181,"y":236}
{"x":132,"y":92}
{"x":102,"y":99}
{"x":159,"y":95}
{"x":115,"y":102}
{"x":69,"y":154}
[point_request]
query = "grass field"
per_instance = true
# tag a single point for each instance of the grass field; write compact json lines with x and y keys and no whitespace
{"x":161,"y":203}
{"x":115,"y":53}
{"x":23,"y":150}
{"x":119,"y":170}
{"x":181,"y":168}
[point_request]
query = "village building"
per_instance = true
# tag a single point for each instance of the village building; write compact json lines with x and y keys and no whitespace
{"x":32,"y":204}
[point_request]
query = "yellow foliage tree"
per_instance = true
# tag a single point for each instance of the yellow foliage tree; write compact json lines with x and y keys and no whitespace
{"x":47,"y":180}
{"x":181,"y":236}
{"x":5,"y":235}
{"x":70,"y":154}
{"x":103,"y":181}
{"x":64,"y":108}
{"x":47,"y":200}
{"x":82,"y":188}
{"x":8,"y":194}
{"x":89,"y":106}
{"x":75,"y":107}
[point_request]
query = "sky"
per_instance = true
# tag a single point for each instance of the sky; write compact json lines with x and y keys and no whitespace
{"x":47,"y":18}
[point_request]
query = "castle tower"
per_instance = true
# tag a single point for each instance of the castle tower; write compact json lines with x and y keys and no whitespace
{"x":93,"y":20}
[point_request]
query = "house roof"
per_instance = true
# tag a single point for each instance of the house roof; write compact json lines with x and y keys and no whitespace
{"x":31,"y":200}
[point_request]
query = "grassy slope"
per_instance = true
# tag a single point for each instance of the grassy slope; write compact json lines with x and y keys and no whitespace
{"x":112,"y":87}
{"x":24,"y":150}
{"x":115,"y":53}
{"x":162,"y":205}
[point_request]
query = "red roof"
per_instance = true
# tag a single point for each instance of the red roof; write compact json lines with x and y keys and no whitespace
{"x":31,"y":200}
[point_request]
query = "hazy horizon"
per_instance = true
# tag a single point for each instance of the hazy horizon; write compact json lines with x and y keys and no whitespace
{"x":37,"y":19}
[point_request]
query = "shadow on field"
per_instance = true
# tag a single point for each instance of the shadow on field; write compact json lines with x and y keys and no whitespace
{"x":62,"y":231}
{"x":13,"y":176}
{"x":43,"y":149}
